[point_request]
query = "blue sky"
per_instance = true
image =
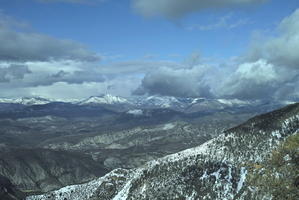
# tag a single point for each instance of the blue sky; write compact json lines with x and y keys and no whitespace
{"x":121,"y":32}
{"x":114,"y":28}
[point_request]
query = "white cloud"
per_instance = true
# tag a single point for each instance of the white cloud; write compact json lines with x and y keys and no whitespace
{"x":73,"y":1}
{"x":225,"y":22}
{"x":62,"y":90}
{"x":18,"y":46}
{"x":282,"y":50}
{"x":271,"y":69}
{"x":255,"y":80}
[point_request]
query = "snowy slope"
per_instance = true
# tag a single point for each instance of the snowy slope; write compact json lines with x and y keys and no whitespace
{"x":215,"y":170}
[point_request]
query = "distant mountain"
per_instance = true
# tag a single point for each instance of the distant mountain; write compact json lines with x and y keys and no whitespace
{"x":26,"y":101}
{"x":221,"y":168}
{"x":104,"y":99}
{"x":120,"y":104}
{"x":58,"y":109}
{"x":115,"y":132}
{"x":157,"y":102}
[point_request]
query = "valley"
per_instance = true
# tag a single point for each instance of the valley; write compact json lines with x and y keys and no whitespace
{"x":40,"y":142}
{"x":149,"y":100}
{"x":217,"y":169}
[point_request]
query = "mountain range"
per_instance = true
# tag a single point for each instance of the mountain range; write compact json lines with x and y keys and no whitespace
{"x":224,"y":167}
{"x":41,"y":141}
{"x":121,"y":104}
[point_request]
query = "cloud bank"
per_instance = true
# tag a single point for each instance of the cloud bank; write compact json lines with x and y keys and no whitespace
{"x":176,"y":82}
{"x":13,"y":72}
{"x":282,"y":50}
{"x":31,"y":60}
{"x":20,"y":47}
{"x":33,"y":63}
{"x":270,"y":70}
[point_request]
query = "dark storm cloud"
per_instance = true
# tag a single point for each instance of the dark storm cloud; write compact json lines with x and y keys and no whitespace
{"x":13,"y":72}
{"x":175,"y":82}
{"x":21,"y":47}
{"x":179,"y":8}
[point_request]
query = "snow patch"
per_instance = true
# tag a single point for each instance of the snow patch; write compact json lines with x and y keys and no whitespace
{"x":136,"y":112}
{"x":241,"y":182}
{"x":168,"y":126}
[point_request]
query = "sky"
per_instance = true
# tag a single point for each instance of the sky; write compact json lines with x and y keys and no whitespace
{"x":63,"y":49}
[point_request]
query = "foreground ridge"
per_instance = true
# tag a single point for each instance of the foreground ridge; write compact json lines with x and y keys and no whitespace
{"x":218,"y":169}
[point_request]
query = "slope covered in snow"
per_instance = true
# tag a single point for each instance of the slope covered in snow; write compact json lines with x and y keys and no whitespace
{"x":215,"y":170}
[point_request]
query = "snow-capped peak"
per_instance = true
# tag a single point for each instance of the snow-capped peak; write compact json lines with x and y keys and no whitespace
{"x":26,"y":100}
{"x":159,"y":101}
{"x":104,"y":99}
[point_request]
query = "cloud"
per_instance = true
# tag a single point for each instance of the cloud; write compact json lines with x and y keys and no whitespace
{"x":18,"y":46}
{"x":188,"y":82}
{"x":259,"y":80}
{"x":178,"y":8}
{"x":223,"y":22}
{"x":48,"y":73}
{"x":255,"y":80}
{"x":118,"y":78}
{"x":9,"y":22}
{"x":269,"y":71}
{"x":76,"y":77}
{"x":13,"y":72}
{"x":282,"y":50}
{"x":72,"y":1}
{"x":136,"y":67}
{"x":121,"y":85}
{"x":43,"y":59}
{"x":68,"y":1}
